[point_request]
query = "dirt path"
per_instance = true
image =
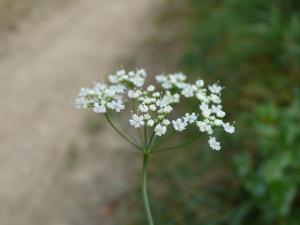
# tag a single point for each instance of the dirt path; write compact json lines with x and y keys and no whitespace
{"x":45,"y":65}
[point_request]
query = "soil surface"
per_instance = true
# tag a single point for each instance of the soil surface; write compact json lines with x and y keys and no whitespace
{"x":52,"y":171}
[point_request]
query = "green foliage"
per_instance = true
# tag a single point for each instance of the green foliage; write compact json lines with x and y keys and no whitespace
{"x":270,"y":174}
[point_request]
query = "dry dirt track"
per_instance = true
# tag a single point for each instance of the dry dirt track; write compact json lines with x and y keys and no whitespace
{"x":46,"y":63}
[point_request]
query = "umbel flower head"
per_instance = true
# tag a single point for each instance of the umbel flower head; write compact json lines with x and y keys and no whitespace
{"x":151,"y":106}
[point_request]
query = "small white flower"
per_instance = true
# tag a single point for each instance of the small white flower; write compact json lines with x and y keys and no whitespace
{"x":228,"y":128}
{"x":191,"y":118}
{"x":143,"y":108}
{"x":167,"y":109}
{"x":137,"y":121}
{"x":133,"y":94}
{"x":206,"y":111}
{"x":109,"y":92}
{"x":215,"y":145}
{"x":100,"y":87}
{"x":160,"y":78}
{"x":147,"y":116}
{"x":81,"y":103}
{"x":137,"y":81}
{"x":218,"y":122}
{"x":151,"y":88}
{"x":83,"y":92}
{"x":199,"y":83}
{"x":201,"y":95}
{"x":152,"y":107}
{"x":166,"y":122}
{"x":113,"y":79}
{"x":99,"y":108}
{"x":218,"y":111}
{"x":148,"y":100}
{"x":187,"y":91}
{"x":215,"y":88}
{"x":150,"y":123}
{"x":179,"y":124}
{"x":142,"y":73}
{"x":156,"y":94}
{"x":116,"y":105}
{"x":119,"y":88}
{"x":172,"y":80}
{"x":120,"y":72}
{"x":160,"y":130}
{"x":204,"y":127}
{"x":215,"y":98}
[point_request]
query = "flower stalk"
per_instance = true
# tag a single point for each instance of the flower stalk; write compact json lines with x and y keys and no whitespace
{"x":151,"y":109}
{"x":144,"y":189}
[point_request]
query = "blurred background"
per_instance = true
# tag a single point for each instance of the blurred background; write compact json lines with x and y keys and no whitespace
{"x":61,"y":166}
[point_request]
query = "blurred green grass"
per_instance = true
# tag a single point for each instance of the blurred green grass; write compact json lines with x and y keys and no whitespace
{"x":253,"y":48}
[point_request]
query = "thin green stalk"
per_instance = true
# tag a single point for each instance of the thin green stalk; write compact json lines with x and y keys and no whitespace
{"x":121,"y":134}
{"x":144,"y":190}
{"x":152,"y":141}
{"x":145,"y":136}
{"x":178,"y":146}
{"x":165,"y":139}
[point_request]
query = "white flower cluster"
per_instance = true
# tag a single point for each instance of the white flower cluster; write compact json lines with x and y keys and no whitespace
{"x":210,"y":107}
{"x":151,"y":107}
{"x":101,"y":98}
{"x":131,"y":79}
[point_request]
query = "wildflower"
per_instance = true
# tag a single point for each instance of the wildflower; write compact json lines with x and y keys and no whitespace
{"x":99,"y":108}
{"x":228,"y":128}
{"x":81,"y":103}
{"x":160,"y":130}
{"x":199,"y":83}
{"x":175,"y":80}
{"x":152,"y":107}
{"x":166,"y":122}
{"x":218,"y":111}
{"x":133,"y":94}
{"x":150,"y":123}
{"x":214,"y":144}
{"x":147,"y":116}
{"x":206,"y":111}
{"x":143,"y":108}
{"x":179,"y":124}
{"x":218,"y":122}
{"x":215,"y":88}
{"x":191,"y":118}
{"x":116,"y":105}
{"x":215,"y":98}
{"x":137,"y":121}
{"x":83,"y":92}
{"x":151,"y":88}
{"x":204,"y":127}
{"x":187,"y":90}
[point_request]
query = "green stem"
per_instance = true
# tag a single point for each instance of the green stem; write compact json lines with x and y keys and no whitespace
{"x":144,"y":190}
{"x":152,"y":141}
{"x":121,"y":134}
{"x":164,"y":139}
{"x":145,"y":136}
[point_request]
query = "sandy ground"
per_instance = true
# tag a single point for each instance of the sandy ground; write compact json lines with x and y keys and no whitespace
{"x":44,"y":65}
